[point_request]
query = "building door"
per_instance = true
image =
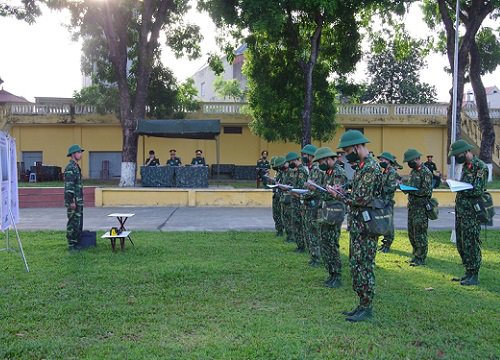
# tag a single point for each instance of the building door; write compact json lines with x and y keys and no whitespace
{"x":105,"y":164}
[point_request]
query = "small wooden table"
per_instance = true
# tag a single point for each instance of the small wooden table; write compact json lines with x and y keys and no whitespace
{"x":122,"y":236}
{"x":122,"y":219}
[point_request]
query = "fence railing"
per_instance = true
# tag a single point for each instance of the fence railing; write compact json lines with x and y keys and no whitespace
{"x":50,"y":109}
{"x":238,"y":108}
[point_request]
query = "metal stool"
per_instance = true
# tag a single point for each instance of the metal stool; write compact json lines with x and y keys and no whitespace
{"x":32,"y":178}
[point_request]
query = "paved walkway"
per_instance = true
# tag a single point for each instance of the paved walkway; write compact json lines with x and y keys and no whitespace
{"x":191,"y":219}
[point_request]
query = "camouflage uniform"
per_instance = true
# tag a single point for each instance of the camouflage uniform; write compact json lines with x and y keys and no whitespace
{"x":263,"y":167}
{"x":418,"y":222}
{"x":286,"y":208}
{"x":277,"y":211}
{"x":311,"y":206}
{"x":330,"y":234}
{"x":73,"y":194}
{"x":390,"y":183}
{"x":467,"y":225}
{"x":298,"y":177}
{"x":174,"y":162}
{"x":366,"y":187}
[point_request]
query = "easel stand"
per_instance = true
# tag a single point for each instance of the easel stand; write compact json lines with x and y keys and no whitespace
{"x":8,"y":248}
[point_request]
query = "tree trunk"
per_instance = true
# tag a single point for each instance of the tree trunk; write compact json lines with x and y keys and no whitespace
{"x":308,"y":79}
{"x":483,"y":112}
{"x":472,"y":17}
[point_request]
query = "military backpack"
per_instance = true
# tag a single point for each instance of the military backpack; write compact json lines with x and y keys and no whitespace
{"x":484,"y":208}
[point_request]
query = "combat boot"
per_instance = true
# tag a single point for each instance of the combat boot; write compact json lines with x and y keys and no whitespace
{"x":471,"y":280}
{"x":384,"y":249}
{"x":334,"y":283}
{"x":361,"y":315}
{"x":417,"y":262}
{"x":279,"y":233}
{"x":352,"y":312}
{"x":467,"y":275}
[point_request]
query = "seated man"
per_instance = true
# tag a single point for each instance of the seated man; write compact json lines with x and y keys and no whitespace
{"x":263,"y":168}
{"x":174,"y":160}
{"x":152,"y":160}
{"x":199,"y":159}
{"x":436,"y":175}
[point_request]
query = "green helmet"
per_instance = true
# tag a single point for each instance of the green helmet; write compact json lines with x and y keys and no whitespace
{"x":388,"y":156}
{"x":352,"y":137}
{"x":324,"y":152}
{"x":279,"y":161}
{"x":292,"y":156}
{"x":271,"y":162}
{"x":459,"y":146}
{"x":73,"y":149}
{"x":411,"y":154}
{"x":309,"y":149}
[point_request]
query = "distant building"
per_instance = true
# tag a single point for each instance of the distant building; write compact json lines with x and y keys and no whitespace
{"x":492,"y":96}
{"x":8,"y":98}
{"x":205,"y":77}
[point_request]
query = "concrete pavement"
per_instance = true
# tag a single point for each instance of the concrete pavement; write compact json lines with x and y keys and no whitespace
{"x":190,"y":219}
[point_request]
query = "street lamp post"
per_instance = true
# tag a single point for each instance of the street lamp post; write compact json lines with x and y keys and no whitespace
{"x":455,"y":90}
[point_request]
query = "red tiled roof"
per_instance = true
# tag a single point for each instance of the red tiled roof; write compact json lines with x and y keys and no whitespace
{"x":8,"y":98}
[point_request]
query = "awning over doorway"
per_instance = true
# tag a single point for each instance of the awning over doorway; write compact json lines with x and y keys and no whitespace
{"x":186,"y":129}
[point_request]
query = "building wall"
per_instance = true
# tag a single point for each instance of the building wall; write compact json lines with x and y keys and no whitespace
{"x":240,"y":149}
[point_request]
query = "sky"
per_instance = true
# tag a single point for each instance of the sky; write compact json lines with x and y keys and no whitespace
{"x":41,"y":60}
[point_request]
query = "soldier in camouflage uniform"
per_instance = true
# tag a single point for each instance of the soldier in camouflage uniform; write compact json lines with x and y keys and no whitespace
{"x":366,"y":187}
{"x":297,"y":177}
{"x":467,"y":225}
{"x":73,"y":196}
{"x":311,"y":205}
{"x":286,"y":203}
{"x":390,"y":179}
{"x":334,"y":175}
{"x":418,"y":222}
{"x":277,"y":164}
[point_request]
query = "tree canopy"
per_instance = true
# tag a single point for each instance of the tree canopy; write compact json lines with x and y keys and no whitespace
{"x":306,"y":42}
{"x":122,"y":44}
{"x":393,"y":70}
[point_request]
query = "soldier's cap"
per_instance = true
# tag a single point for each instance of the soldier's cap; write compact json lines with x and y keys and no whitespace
{"x":279,"y":161}
{"x":73,"y":149}
{"x":324,"y":152}
{"x":459,"y":147}
{"x":351,"y":138}
{"x":388,"y":156}
{"x":292,"y":156}
{"x":309,"y":149}
{"x":411,"y":154}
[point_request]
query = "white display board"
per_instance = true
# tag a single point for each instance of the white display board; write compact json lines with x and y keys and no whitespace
{"x":9,"y":195}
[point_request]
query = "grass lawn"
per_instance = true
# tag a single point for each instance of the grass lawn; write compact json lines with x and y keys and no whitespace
{"x":238,"y":295}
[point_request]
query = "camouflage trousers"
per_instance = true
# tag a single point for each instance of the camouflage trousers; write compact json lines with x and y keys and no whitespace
{"x":468,"y":230}
{"x":277,"y":213}
{"x":362,"y":251}
{"x":330,"y":251}
{"x":389,"y":239}
{"x":298,"y":224}
{"x":311,"y":231}
{"x":417,"y":230}
{"x":75,"y":225}
{"x":286,"y":216}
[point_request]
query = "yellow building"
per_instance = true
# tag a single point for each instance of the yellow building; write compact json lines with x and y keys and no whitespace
{"x":43,"y":133}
